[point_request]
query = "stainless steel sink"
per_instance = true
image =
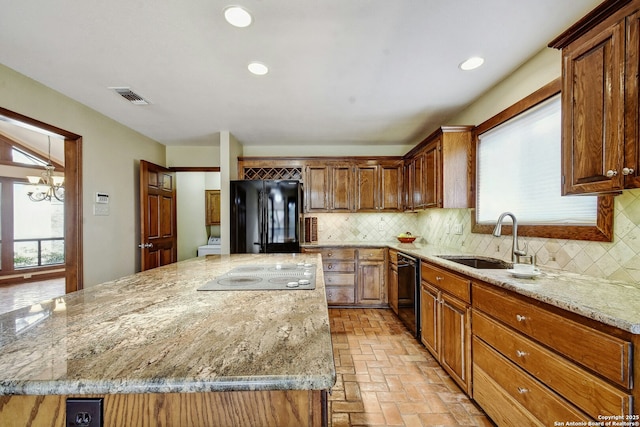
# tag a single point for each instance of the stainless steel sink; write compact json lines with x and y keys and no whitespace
{"x":479,"y":262}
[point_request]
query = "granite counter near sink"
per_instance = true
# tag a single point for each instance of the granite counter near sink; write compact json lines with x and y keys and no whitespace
{"x":155,"y":334}
{"x":611,"y":302}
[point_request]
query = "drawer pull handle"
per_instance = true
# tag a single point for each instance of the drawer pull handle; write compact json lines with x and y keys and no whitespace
{"x":520,"y":353}
{"x":520,"y":318}
{"x":330,"y":266}
{"x":439,"y":278}
{"x":330,"y":254}
{"x":523,"y":390}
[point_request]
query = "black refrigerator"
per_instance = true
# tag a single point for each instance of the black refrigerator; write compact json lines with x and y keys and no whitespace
{"x":266,"y":216}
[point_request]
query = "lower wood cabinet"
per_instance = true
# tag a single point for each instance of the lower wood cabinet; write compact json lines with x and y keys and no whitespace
{"x":445,"y":321}
{"x":392,"y":280}
{"x":537,"y":365}
{"x":354,"y":277}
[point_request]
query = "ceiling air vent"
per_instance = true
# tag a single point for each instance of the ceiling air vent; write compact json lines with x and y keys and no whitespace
{"x":130,"y":95}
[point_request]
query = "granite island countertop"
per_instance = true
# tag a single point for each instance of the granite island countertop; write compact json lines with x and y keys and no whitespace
{"x":611,"y":302}
{"x":154,"y":332}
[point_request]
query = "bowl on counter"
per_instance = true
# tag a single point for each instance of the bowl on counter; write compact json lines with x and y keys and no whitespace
{"x":406,"y":239}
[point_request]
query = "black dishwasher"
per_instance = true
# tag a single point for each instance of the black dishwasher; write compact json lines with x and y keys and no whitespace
{"x":409,"y":293}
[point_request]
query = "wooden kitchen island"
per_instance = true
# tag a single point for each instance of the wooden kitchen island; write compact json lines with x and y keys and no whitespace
{"x":160,"y":352}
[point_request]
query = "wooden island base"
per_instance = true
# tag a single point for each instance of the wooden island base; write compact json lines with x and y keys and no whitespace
{"x":240,"y":408}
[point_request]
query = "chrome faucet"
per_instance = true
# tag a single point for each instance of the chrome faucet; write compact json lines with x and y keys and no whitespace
{"x":515,"y":248}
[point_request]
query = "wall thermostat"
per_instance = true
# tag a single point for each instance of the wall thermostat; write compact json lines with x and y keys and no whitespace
{"x":102,"y":198}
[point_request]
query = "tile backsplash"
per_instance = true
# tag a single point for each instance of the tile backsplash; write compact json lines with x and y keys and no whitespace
{"x":618,"y":260}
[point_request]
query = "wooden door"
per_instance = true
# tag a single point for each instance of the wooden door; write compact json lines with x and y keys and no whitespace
{"x":631,"y":165}
{"x":316,"y":188}
{"x":212,"y":206}
{"x":455,"y":353}
{"x":391,"y":187}
{"x":341,"y":188}
{"x":417,"y":168}
{"x":431,"y":184}
{"x":158,"y":233}
{"x":370,"y":283}
{"x":429,"y":323}
{"x":367,"y":188}
{"x":393,"y":281}
{"x":593,"y":112}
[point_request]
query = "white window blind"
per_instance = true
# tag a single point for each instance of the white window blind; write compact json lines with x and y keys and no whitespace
{"x":519,"y":171}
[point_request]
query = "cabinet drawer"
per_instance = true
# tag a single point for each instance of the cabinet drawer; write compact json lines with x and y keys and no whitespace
{"x":338,"y":253}
{"x":374,"y":254}
{"x":577,"y":342}
{"x":590,"y":393}
{"x":446,"y":281}
{"x":340,"y":279}
{"x":340,"y":295}
{"x":542,"y":403}
{"x":339,"y":266}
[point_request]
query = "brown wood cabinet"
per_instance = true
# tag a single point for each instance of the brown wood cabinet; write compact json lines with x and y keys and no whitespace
{"x":445,"y":321}
{"x":392,"y":280}
{"x":378,"y":186}
{"x":439,"y":170}
{"x":600,"y":100}
{"x":354,"y":277}
{"x":212,"y":207}
{"x":372,"y":268}
{"x":545,"y":366}
{"x":339,"y":267}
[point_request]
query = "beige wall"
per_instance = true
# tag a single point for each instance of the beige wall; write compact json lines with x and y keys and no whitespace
{"x":208,"y":156}
{"x":111,"y":153}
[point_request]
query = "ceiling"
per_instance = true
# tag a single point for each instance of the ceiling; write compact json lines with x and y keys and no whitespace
{"x":341,"y":71}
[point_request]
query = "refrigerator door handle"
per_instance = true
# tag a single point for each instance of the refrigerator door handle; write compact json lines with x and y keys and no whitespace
{"x":262,"y":226}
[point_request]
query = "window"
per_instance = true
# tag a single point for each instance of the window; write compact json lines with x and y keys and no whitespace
{"x":518,"y":170}
{"x":38,"y":230}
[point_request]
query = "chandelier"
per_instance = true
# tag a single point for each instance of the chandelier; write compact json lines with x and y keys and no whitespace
{"x":47,"y":186}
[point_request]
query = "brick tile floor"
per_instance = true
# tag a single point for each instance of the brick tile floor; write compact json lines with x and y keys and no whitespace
{"x":385,"y":377}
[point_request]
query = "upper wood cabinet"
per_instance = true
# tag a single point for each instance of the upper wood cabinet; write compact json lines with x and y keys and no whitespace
{"x":600,"y":100}
{"x":438,"y":170}
{"x":328,"y":187}
{"x":372,"y":185}
{"x":378,"y":186}
{"x":212,"y":207}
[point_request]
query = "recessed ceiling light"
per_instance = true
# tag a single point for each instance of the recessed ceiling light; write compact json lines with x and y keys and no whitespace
{"x":237,"y":16}
{"x":258,"y":68}
{"x":471,"y":63}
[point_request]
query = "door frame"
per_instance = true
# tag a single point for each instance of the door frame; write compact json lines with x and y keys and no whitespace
{"x":74,"y":279}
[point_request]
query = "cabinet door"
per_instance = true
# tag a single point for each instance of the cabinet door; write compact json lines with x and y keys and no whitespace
{"x":341,"y":193}
{"x":212,"y":207}
{"x":593,"y":112}
{"x":431,"y":194}
{"x":455,"y":350}
{"x":367,"y":188}
{"x":393,"y":287}
{"x":391,"y":187}
{"x":632,"y":104}
{"x":316,"y":188}
{"x":371,"y":289}
{"x":429,"y":307}
{"x":417,"y":167}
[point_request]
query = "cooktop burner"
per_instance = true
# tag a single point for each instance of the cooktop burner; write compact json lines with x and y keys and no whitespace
{"x":265,"y":277}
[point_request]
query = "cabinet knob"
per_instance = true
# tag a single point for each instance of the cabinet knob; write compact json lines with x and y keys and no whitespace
{"x":627,"y":171}
{"x":611,"y":173}
{"x":520,"y":353}
{"x":520,"y":318}
{"x":329,"y":267}
{"x":439,"y":278}
{"x":523,"y":390}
